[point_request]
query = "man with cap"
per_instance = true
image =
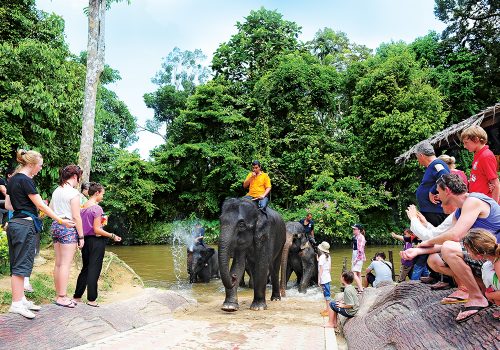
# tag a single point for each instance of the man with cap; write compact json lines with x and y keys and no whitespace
{"x":258,"y":184}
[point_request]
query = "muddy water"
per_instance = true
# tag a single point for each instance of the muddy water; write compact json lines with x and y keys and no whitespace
{"x":157,"y":267}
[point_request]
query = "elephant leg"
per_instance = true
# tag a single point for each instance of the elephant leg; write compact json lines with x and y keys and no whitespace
{"x":237,"y":269}
{"x":275,"y":280}
{"x":260,"y":282}
{"x":306,"y":277}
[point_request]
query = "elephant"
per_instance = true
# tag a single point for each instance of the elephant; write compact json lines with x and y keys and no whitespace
{"x":251,"y":237}
{"x":299,"y":256}
{"x":202,"y":264}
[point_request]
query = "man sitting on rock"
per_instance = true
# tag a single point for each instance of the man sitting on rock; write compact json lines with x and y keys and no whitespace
{"x":475,"y":210}
{"x":382,"y":269}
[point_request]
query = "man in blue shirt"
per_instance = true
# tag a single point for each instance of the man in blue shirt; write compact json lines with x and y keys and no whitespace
{"x":427,"y":200}
{"x":308,"y":224}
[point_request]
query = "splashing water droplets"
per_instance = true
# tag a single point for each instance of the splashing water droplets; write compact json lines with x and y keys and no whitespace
{"x":181,"y":240}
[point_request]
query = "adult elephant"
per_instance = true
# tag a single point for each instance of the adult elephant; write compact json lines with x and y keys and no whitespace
{"x":254,"y":237}
{"x":298,"y":256}
{"x":203,"y":264}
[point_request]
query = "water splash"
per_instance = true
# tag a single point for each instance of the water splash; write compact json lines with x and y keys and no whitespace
{"x":181,"y":240}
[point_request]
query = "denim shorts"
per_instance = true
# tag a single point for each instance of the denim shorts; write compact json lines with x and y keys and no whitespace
{"x":326,"y":290}
{"x":62,"y":234}
{"x":339,"y":310}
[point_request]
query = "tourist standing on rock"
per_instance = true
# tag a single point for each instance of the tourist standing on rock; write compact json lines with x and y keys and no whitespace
{"x":358,"y":253}
{"x":348,"y":306}
{"x":324,"y":277}
{"x":427,"y":200}
{"x":482,"y":245}
{"x":484,"y":172}
{"x":23,"y":198}
{"x":66,"y":204}
{"x":95,"y":245}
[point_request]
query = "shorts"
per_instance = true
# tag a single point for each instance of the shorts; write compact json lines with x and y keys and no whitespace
{"x":326,"y":290}
{"x":62,"y":234}
{"x":22,"y":244}
{"x":340,"y":310}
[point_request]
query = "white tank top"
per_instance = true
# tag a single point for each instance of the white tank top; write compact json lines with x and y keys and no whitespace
{"x":61,"y":200}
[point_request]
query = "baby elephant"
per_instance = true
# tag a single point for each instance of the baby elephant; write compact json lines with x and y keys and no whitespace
{"x":203,"y":264}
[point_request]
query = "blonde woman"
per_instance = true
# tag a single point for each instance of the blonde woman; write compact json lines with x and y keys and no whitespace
{"x":23,"y":198}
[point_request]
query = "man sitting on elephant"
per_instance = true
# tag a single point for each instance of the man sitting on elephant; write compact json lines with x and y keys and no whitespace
{"x":258,"y":184}
{"x":308,"y":224}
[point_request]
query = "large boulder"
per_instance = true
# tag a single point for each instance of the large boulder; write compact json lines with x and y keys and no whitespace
{"x":409,"y":316}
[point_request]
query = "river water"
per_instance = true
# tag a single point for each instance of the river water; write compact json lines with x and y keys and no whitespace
{"x":165,"y":266}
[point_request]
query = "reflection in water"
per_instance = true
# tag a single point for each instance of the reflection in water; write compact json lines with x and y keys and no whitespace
{"x":165,"y":265}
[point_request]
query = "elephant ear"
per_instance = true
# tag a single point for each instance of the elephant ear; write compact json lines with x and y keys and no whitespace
{"x":262,"y":228}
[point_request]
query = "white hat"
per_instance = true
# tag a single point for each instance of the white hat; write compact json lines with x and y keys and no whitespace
{"x":324,"y":247}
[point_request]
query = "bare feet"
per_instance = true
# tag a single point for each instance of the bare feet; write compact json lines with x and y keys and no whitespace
{"x":329,"y":325}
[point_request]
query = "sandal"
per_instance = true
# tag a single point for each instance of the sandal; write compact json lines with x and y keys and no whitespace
{"x":93,"y":305}
{"x":470,"y":308}
{"x":70,"y":305}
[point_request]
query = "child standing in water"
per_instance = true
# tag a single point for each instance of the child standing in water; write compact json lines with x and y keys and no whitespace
{"x":482,"y":245}
{"x":358,"y":253}
{"x":324,"y":277}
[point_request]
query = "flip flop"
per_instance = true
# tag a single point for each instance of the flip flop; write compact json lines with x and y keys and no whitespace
{"x":93,"y":305}
{"x":455,"y":300}
{"x":70,"y":305}
{"x":470,"y":308}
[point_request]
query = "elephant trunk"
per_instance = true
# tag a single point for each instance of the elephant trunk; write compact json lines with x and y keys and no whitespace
{"x":284,"y":262}
{"x":224,"y":249}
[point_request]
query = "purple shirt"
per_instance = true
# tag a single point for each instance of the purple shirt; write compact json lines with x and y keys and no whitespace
{"x":88,"y":215}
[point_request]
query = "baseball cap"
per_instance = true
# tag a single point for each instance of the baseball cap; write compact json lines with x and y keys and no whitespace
{"x":357,"y":226}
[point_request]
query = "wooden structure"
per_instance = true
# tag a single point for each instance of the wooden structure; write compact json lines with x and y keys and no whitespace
{"x":449,"y":138}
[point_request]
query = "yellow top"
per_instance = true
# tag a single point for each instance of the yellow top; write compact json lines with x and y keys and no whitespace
{"x":259,"y":184}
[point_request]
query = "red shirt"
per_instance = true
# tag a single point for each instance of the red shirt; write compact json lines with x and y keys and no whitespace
{"x":484,"y":169}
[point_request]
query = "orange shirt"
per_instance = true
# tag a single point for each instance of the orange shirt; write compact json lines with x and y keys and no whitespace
{"x":259,"y":184}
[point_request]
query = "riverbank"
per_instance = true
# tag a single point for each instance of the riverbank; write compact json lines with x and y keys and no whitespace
{"x":117,"y":282}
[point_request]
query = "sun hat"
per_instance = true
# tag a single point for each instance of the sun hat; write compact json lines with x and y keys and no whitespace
{"x":324,"y":247}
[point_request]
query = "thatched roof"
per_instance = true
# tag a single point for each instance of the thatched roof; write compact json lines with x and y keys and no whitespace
{"x":449,"y":136}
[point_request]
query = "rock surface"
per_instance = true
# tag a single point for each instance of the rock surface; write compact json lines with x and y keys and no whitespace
{"x":56,"y":327}
{"x":409,"y":316}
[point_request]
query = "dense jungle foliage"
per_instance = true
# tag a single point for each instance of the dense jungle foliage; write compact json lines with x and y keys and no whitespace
{"x":325,"y":117}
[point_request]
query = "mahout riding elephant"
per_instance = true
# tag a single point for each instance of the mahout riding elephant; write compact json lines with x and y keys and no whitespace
{"x":254,"y":237}
{"x":203,"y":264}
{"x":298,"y":256}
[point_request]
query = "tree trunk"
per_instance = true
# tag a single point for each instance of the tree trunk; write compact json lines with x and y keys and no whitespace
{"x":95,"y":66}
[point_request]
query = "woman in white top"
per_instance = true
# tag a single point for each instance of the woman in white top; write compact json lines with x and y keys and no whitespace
{"x":66,"y":204}
{"x":324,"y":277}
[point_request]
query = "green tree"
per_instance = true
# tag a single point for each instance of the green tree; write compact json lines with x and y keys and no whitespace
{"x":95,"y":66}
{"x":334,"y":48}
{"x":180,"y":73}
{"x":41,"y":89}
{"x":475,"y":26}
{"x":203,"y":155}
{"x":393,"y":107}
{"x":249,"y":53}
